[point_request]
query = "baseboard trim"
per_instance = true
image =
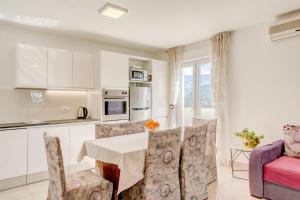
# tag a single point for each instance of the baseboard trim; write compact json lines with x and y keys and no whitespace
{"x":37,"y":177}
{"x":12,"y":182}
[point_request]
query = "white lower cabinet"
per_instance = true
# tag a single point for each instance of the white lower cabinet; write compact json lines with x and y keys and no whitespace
{"x":71,"y":138}
{"x":36,"y":147}
{"x":13,"y":153}
{"x":79,"y":134}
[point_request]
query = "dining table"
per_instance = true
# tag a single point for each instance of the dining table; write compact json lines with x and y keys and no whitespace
{"x":120,"y":159}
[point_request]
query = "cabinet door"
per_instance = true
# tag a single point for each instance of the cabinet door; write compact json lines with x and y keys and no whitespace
{"x":13,"y":151}
{"x":36,"y":147}
{"x":114,"y":70}
{"x":32,"y":67}
{"x":60,"y":68}
{"x":160,"y":88}
{"x":79,"y":134}
{"x":83,"y":70}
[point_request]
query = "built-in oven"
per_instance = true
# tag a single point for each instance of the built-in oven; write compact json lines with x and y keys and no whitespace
{"x":115,"y":105}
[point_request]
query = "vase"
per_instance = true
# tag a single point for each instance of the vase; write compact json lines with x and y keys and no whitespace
{"x":152,"y":129}
{"x":250,"y":143}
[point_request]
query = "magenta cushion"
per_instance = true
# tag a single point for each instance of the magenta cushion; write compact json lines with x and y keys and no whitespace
{"x":283,"y":171}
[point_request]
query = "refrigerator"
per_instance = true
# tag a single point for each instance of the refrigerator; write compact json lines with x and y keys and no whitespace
{"x":140,"y":103}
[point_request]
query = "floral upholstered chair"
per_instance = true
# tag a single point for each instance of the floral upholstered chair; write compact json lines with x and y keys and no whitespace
{"x":193,"y":172}
{"x":83,"y":185}
{"x":211,"y":148}
{"x":110,"y":130}
{"x":161,"y":180}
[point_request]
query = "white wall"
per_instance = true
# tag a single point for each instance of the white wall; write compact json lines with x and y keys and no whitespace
{"x":16,"y":105}
{"x":264,"y":83}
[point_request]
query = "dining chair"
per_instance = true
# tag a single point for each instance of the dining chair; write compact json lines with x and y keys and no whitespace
{"x":211,"y":148}
{"x":82,"y":185}
{"x":193,"y":172}
{"x":161,"y":179}
{"x":117,"y":129}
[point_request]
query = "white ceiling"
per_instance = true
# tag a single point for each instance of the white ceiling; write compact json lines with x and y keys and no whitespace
{"x":151,"y":23}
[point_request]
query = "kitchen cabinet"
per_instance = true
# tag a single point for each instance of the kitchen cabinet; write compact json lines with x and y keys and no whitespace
{"x":23,"y":157}
{"x":31,"y":66}
{"x":83,"y":70}
{"x":13,"y":153}
{"x":78,"y":134}
{"x":60,"y":68}
{"x":36,"y":147}
{"x":114,"y":70}
{"x":160,"y":90}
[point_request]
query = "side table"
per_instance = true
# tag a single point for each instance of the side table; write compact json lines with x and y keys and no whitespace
{"x":236,"y":152}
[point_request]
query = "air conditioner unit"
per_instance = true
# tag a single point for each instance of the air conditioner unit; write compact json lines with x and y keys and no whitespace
{"x":285,"y":30}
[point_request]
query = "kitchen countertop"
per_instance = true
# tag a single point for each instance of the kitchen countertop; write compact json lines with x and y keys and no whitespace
{"x":43,"y":123}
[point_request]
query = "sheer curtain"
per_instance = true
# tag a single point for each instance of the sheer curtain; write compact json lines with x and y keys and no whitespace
{"x":220,"y":61}
{"x":174,"y":58}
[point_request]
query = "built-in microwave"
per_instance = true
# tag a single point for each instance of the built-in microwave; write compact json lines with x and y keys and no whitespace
{"x":138,"y":74}
{"x":115,"y":105}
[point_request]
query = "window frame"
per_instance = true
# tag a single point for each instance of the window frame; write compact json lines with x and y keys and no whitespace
{"x":196,"y":63}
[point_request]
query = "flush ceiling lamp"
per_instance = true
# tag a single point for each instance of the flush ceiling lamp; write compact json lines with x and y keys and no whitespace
{"x":111,"y":10}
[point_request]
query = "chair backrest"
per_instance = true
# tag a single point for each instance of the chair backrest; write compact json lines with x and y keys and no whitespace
{"x":211,"y":126}
{"x":57,"y":179}
{"x":110,"y":130}
{"x":193,"y":172}
{"x":162,"y":165}
{"x":211,"y":147}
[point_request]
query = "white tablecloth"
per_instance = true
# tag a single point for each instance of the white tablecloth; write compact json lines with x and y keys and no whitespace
{"x":127,"y":151}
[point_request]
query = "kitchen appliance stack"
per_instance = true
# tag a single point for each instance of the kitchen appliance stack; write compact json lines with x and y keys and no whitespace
{"x":133,"y":103}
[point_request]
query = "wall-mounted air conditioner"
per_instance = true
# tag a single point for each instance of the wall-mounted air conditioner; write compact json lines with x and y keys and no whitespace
{"x":285,"y":30}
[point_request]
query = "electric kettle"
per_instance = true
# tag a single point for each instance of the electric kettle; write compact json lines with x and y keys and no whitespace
{"x":82,"y":113}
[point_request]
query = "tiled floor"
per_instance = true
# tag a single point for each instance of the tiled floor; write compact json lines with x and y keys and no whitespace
{"x":227,"y":188}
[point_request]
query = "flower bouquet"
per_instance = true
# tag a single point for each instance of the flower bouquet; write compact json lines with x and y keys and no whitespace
{"x":249,"y":138}
{"x":152,"y":125}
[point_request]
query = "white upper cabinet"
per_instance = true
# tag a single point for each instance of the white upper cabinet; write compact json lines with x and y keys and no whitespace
{"x":31,"y":66}
{"x":160,"y":88}
{"x":13,"y":153}
{"x":60,"y":68}
{"x":83,"y":70}
{"x":114,"y":70}
{"x":48,"y":68}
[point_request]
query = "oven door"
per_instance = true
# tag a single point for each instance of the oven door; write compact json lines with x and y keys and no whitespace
{"x":115,"y":109}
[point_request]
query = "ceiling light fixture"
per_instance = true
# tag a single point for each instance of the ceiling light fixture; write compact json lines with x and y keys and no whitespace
{"x":111,"y":10}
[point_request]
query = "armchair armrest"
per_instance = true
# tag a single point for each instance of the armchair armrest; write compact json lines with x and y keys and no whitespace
{"x":258,"y":158}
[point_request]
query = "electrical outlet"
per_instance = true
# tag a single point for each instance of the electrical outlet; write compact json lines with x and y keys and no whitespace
{"x":65,"y":109}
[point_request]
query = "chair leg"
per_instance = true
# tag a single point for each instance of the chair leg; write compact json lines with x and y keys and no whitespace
{"x":111,"y":173}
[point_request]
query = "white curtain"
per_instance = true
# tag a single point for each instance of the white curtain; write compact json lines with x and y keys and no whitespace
{"x":220,"y":61}
{"x":174,"y":58}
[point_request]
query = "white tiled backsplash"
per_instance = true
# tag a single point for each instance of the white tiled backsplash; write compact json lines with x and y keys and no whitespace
{"x":17,"y":105}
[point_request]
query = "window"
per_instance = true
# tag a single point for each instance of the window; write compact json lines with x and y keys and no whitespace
{"x":207,"y":109}
{"x":188,"y":94}
{"x":197,"y":91}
